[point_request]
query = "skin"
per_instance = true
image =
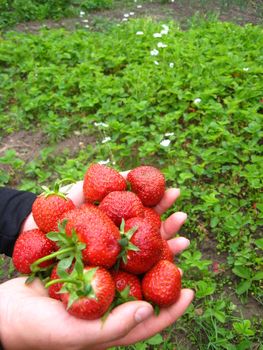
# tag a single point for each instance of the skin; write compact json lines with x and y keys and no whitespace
{"x":30,"y":319}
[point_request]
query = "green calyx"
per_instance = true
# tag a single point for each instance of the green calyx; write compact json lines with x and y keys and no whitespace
{"x":56,"y":190}
{"x":70,"y":250}
{"x":78,"y":283}
{"x":125,"y":243}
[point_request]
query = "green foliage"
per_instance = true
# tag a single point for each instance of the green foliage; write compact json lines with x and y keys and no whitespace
{"x":194,"y":110}
{"x":15,"y":11}
{"x":94,"y":4}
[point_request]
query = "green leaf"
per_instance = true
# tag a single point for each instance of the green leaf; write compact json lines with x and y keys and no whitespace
{"x":258,"y":276}
{"x":155,"y":340}
{"x":259,"y":243}
{"x":242,"y":272}
{"x":220,"y":316}
{"x":243,"y":287}
{"x":205,"y":288}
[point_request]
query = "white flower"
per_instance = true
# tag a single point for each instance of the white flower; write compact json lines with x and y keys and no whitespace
{"x":161,"y":45}
{"x":169,"y":134}
{"x":139,"y":6}
{"x":102,"y":162}
{"x":82,"y":13}
{"x":86,"y":26}
{"x":85,"y":20}
{"x":131,"y":13}
{"x":139,"y":33}
{"x":246,"y":69}
{"x":124,"y":19}
{"x":157,"y":35}
{"x":126,"y":15}
{"x":171,"y":64}
{"x":165,"y":27}
{"x":197,"y":100}
{"x":101,"y":124}
{"x":106,"y":139}
{"x":154,"y":52}
{"x":156,"y":62}
{"x":165,"y":142}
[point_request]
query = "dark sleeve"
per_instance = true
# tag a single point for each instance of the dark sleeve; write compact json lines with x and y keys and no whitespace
{"x":15,"y":206}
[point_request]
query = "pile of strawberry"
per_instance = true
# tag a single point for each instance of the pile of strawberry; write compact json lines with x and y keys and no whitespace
{"x":107,"y":251}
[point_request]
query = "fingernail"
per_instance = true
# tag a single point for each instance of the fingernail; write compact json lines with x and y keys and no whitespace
{"x":143,"y":313}
{"x":183,"y":216}
{"x":185,"y":242}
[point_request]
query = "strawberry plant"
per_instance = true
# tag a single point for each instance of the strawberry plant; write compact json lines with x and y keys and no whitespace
{"x":186,"y":101}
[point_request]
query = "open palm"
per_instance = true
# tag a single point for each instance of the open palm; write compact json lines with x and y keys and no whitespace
{"x":30,"y":319}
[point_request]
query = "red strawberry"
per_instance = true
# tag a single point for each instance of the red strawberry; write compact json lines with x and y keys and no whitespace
{"x":95,"y":296}
{"x":166,"y":252}
{"x":98,"y":232}
{"x":148,"y":183}
{"x":162,"y":284}
{"x":48,"y":208}
{"x":30,"y":246}
{"x":100,"y":180}
{"x":127,"y":281}
{"x":87,"y":205}
{"x":54,"y":288}
{"x":120,"y":205}
{"x":151,"y":215}
{"x":148,"y":243}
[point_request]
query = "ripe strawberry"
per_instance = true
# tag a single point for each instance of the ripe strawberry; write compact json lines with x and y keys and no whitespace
{"x":30,"y":246}
{"x":100,"y":180}
{"x":162,"y":284}
{"x":128,"y":284}
{"x":94,"y":297}
{"x":120,"y":205}
{"x":54,"y":288}
{"x":87,"y":205}
{"x":166,"y":252}
{"x":151,"y":215}
{"x":49,"y":207}
{"x":148,"y":243}
{"x":98,"y":232}
{"x":148,"y":183}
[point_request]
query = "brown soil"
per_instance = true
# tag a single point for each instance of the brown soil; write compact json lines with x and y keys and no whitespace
{"x":178,"y":11}
{"x":28,"y":144}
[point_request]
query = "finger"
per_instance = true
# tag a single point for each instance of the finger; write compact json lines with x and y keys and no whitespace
{"x":38,"y":287}
{"x":75,"y":193}
{"x":178,"y":244}
{"x":121,"y":321}
{"x":28,"y":224}
{"x":19,"y":286}
{"x":132,"y":312}
{"x":168,"y":200}
{"x":156,"y":324}
{"x":172,"y":224}
{"x":125,"y":174}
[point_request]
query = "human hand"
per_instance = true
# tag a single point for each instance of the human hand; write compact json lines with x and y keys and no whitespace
{"x":31,"y":320}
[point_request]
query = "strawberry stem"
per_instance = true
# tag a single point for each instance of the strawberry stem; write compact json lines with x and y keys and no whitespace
{"x":61,"y":280}
{"x":34,"y":267}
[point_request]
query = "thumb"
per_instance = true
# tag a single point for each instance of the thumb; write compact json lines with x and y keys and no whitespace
{"x":124,"y":318}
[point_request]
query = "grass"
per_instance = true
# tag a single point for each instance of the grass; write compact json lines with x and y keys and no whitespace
{"x":202,"y":94}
